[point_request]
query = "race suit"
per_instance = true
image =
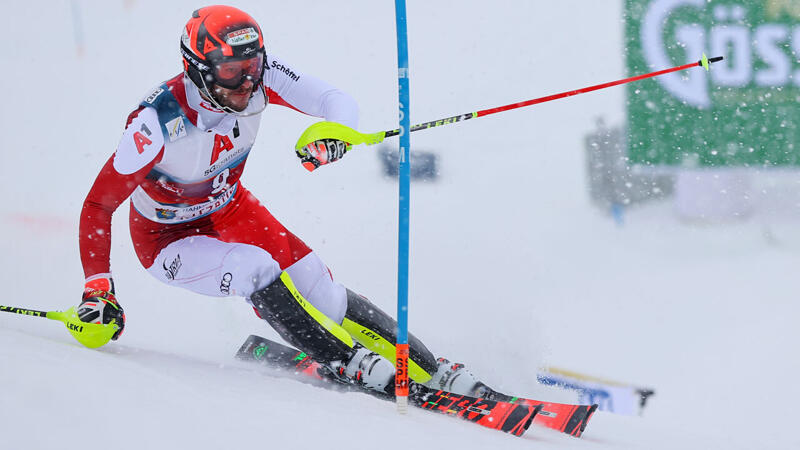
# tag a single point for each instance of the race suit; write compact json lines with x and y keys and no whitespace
{"x":192,"y":222}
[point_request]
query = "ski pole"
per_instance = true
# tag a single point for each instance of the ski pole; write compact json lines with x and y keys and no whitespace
{"x":91,"y":335}
{"x":332,"y":130}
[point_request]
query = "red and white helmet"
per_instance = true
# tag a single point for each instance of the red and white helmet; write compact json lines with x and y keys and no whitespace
{"x":222,"y":46}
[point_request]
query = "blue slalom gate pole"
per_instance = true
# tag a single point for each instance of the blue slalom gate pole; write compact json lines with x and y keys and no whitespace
{"x":404,"y":179}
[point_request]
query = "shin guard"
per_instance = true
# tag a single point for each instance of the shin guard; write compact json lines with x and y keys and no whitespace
{"x":300,"y":323}
{"x":377,"y":331}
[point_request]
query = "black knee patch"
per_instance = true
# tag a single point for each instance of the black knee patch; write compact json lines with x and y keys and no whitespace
{"x":299,"y":323}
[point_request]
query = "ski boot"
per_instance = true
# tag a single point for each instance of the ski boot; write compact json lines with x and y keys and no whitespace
{"x":367,"y":370}
{"x":455,"y":378}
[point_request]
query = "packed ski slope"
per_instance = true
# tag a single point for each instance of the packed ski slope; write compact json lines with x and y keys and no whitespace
{"x":512,"y":268}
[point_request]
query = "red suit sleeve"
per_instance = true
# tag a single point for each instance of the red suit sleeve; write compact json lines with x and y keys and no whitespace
{"x":109,"y":190}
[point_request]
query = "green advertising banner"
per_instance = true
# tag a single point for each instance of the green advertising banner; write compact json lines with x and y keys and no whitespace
{"x":744,"y":113}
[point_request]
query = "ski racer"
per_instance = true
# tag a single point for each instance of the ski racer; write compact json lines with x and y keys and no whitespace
{"x":195,"y":226}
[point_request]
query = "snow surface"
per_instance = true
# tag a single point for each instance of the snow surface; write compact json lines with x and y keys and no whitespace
{"x":506,"y":247}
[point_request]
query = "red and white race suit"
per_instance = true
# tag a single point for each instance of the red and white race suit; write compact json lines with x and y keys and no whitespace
{"x":192,"y":222}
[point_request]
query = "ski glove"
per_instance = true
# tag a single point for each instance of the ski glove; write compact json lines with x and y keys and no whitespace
{"x":322,"y":152}
{"x":99,"y":304}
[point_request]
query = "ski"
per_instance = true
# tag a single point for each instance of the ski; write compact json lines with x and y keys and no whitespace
{"x":566,"y":418}
{"x":510,"y":417}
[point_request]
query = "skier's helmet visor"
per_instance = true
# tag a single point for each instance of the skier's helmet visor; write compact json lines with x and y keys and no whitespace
{"x":232,"y":74}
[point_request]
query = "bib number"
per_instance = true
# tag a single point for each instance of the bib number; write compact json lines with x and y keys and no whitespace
{"x":220,"y":181}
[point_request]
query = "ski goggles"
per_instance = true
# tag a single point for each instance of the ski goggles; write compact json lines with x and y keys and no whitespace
{"x":233,"y":74}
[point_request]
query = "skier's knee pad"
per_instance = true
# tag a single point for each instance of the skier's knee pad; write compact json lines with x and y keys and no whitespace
{"x":300,"y":323}
{"x":377,"y":331}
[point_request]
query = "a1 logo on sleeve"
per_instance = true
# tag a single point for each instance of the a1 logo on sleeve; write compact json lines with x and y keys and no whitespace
{"x":140,"y":144}
{"x":141,"y":138}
